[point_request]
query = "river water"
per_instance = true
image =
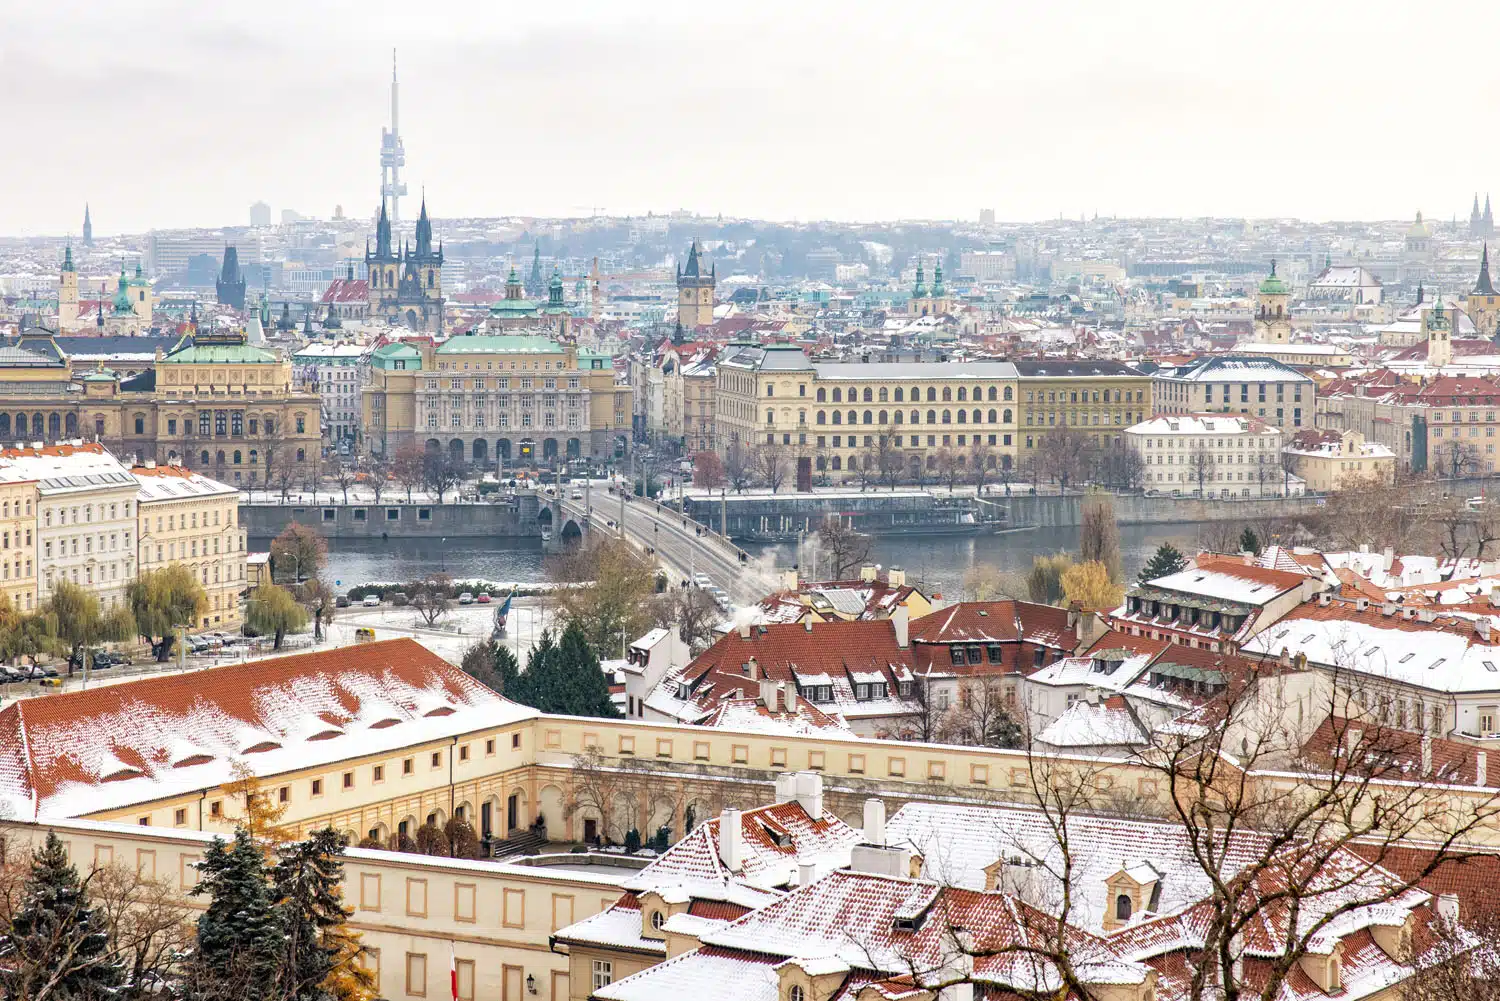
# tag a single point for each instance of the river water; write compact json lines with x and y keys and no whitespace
{"x":939,"y":562}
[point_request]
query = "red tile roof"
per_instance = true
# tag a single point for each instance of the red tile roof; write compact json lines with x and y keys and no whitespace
{"x":347,"y":290}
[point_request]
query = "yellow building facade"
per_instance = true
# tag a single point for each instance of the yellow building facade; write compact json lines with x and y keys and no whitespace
{"x":1098,"y":399}
{"x":188,"y":519}
{"x":1331,"y":460}
{"x":18,"y":567}
{"x":516,"y":399}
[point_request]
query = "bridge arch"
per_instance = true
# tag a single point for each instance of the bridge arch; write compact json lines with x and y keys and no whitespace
{"x":571,"y":534}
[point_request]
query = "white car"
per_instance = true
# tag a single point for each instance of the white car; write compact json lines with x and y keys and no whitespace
{"x":372,"y":601}
{"x":467,"y":598}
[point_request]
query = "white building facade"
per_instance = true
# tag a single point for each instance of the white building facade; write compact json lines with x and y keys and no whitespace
{"x":337,"y":373}
{"x":1210,"y":455}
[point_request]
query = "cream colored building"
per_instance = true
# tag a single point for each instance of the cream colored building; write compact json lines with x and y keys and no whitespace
{"x":841,"y":415}
{"x":522,"y":399}
{"x":86,"y":517}
{"x":1210,"y":455}
{"x":1329,"y":460}
{"x":189,"y":519}
{"x":1096,"y":398}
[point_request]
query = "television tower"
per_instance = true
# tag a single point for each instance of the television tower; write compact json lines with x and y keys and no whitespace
{"x":392,"y":153}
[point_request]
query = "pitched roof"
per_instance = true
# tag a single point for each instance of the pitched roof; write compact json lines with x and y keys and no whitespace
{"x":76,"y":753}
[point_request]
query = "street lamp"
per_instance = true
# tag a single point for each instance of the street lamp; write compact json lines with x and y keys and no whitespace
{"x":443,"y":552}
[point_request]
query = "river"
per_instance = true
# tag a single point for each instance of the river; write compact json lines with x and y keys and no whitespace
{"x":939,"y":562}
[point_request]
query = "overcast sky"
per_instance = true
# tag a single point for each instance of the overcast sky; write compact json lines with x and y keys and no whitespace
{"x":166,"y":113}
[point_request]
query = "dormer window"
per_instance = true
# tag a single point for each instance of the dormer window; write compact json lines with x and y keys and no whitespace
{"x":796,"y":993}
{"x":1122,"y":907}
{"x":657,"y":920}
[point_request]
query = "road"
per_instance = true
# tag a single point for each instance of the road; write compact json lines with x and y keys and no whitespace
{"x":676,"y":542}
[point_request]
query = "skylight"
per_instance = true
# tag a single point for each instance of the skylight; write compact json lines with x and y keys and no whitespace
{"x":1408,"y":657}
{"x":1436,"y":663}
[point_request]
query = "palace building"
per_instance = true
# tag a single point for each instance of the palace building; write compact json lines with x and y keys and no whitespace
{"x":212,"y":403}
{"x":515,"y":398}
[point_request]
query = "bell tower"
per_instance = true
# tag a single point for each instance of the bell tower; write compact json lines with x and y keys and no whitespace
{"x":1439,"y":336}
{"x":1273,"y":320}
{"x":695,"y":291}
{"x":1483,"y":304}
{"x":67,"y":293}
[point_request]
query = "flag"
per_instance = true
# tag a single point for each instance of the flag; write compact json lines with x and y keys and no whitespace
{"x":452,"y":971}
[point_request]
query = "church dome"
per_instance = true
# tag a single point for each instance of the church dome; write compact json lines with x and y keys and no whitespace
{"x":1418,"y":229}
{"x":1273,"y":285}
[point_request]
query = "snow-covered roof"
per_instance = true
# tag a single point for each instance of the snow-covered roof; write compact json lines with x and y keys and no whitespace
{"x":82,"y":752}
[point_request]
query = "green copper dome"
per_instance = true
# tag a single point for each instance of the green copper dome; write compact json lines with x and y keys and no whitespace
{"x":121,"y":301}
{"x":1273,"y":285}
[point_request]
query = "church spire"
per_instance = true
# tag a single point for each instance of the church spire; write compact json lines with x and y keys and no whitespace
{"x":88,"y":227}
{"x":424,"y":231}
{"x":1483,"y":286}
{"x":68,"y":259}
{"x":383,"y":234}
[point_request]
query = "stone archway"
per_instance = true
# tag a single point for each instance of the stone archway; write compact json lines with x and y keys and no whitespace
{"x":549,"y":449}
{"x":433,"y":445}
{"x":456,"y":450}
{"x":575,"y":448}
{"x":502,"y":449}
{"x":481,"y":450}
{"x":572,"y":534}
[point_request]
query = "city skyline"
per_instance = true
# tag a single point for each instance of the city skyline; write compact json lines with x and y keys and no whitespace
{"x":835,"y":112}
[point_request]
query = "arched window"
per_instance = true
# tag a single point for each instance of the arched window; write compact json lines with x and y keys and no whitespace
{"x":254,"y":456}
{"x":947,"y":394}
{"x":963,"y":416}
{"x":1122,"y":907}
{"x":869,"y":417}
{"x":838,"y":395}
{"x":822,"y":417}
{"x":948,"y":416}
{"x":853,"y":417}
{"x":237,"y":457}
{"x":978,"y":394}
{"x":932,"y":417}
{"x":1006,"y":417}
{"x":219,"y":457}
{"x":429,"y":279}
{"x":931,"y":395}
{"x":883,"y":416}
{"x":838,"y":417}
{"x":992,"y":393}
{"x":837,"y":463}
{"x":868,"y":397}
{"x":916,"y":417}
{"x":963,"y":393}
{"x":822,"y":394}
{"x":916,"y":394}
{"x":883,"y":394}
{"x":657,"y":920}
{"x":992,"y":416}
{"x":898,"y":394}
{"x":976,"y":417}
{"x":374,"y":279}
{"x":796,"y":994}
{"x":802,"y":417}
{"x":1007,"y":394}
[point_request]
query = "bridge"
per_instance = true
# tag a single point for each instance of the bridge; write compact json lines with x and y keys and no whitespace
{"x":678,"y":543}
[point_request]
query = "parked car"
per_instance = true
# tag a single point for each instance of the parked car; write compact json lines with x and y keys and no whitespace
{"x":398,"y":598}
{"x":372,"y":601}
{"x":342,"y":601}
{"x":103,"y":660}
{"x":467,"y":598}
{"x":483,"y":597}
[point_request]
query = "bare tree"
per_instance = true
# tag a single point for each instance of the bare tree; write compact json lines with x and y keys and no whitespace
{"x":1201,"y":464}
{"x":344,"y":475}
{"x":408,"y":465}
{"x":981,"y":465}
{"x":442,"y":472}
{"x":1065,"y":455}
{"x":887,"y":461}
{"x":148,"y":922}
{"x":737,"y":466}
{"x":377,"y":467}
{"x":432,"y":599}
{"x":613,"y":790}
{"x":1099,"y":535}
{"x":690,"y":611}
{"x":846,"y":549}
{"x":949,"y":468}
{"x":771,"y":465}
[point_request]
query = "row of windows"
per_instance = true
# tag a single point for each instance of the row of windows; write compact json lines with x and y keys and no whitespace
{"x":884,"y":394}
{"x":1076,"y":396}
{"x":1084,"y":420}
{"x":222,"y":422}
{"x":884,"y":417}
{"x":502,"y":420}
{"x":899,"y":441}
{"x":530,"y":363}
{"x":88,"y":545}
{"x":480,"y":383}
{"x":84,"y":513}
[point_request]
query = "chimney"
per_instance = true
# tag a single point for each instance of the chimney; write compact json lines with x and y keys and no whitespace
{"x":895,"y":577}
{"x":900,"y":618}
{"x":1481,"y":768}
{"x":789,"y":696}
{"x":1410,"y":613}
{"x":1495,"y":597}
{"x":807,"y":623}
{"x":731,"y":843}
{"x":1364,"y":547}
{"x":1388,"y":609}
{"x":810,"y":793}
{"x":1447,"y":908}
{"x":1325,"y":599}
{"x":867,"y":573}
{"x":1482,"y":628}
{"x":789,"y":580}
{"x":874,"y":821}
{"x":786,"y":787}
{"x":744,"y":630}
{"x":1426,"y":754}
{"x":768,"y":693}
{"x":806,"y":873}
{"x":1361,"y":604}
{"x":1388,"y":559}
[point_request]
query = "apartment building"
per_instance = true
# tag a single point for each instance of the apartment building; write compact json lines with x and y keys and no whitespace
{"x":848,"y":416}
{"x":1329,"y":460}
{"x":18,"y":540}
{"x":1099,"y":399}
{"x":1210,"y":455}
{"x":1238,"y":384}
{"x":337,"y":374}
{"x":86,"y":517}
{"x":187,"y":518}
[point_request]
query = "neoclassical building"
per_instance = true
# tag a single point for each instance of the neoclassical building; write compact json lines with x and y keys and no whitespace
{"x":212,"y":403}
{"x":517,"y":398}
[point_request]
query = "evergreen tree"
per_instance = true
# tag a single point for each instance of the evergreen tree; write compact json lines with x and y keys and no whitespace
{"x":1249,"y":541}
{"x":240,"y":935}
{"x":57,"y":945}
{"x":306,"y":876}
{"x":585,"y":689}
{"x":1166,"y":560}
{"x":493,"y":665}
